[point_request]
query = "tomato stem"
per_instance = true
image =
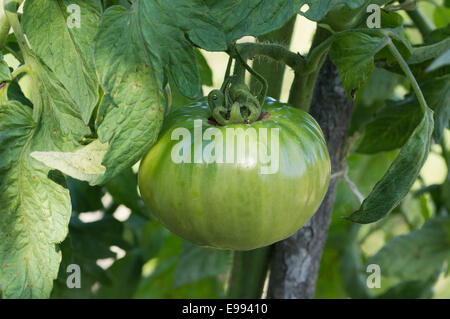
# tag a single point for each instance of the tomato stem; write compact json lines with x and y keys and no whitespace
{"x":274,"y":51}
{"x":22,"y":69}
{"x":306,"y":69}
{"x":404,"y":66}
{"x":273,"y":71}
{"x":263,"y":82}
{"x":302,"y":88}
{"x":249,"y":273}
{"x":420,"y":21}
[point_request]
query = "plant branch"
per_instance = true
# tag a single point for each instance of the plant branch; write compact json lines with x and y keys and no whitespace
{"x":316,"y":55}
{"x":256,"y":75}
{"x":249,"y":273}
{"x":273,"y":71}
{"x":354,"y":189}
{"x":274,"y":51}
{"x":19,"y":70}
{"x":303,"y":86}
{"x":420,"y":20}
{"x":296,"y":260}
{"x":404,"y":66}
{"x":306,"y":69}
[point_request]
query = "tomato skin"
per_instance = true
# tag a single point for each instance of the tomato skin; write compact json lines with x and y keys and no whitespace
{"x":231,"y":205}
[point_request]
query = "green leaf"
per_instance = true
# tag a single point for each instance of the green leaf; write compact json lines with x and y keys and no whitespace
{"x":429,"y":52}
{"x":351,"y":266}
{"x":91,"y":273}
{"x":418,"y":254}
{"x":409,"y":290}
{"x":164,"y":24}
{"x":178,"y":99}
{"x":133,"y":48}
{"x":331,"y":287}
{"x":110,"y":3}
{"x":353,"y":53}
{"x":391,"y":19}
{"x":437,"y":94}
{"x":83,"y":164}
{"x":440,"y":61}
{"x":318,"y":9}
{"x":150,"y":237}
{"x":399,"y":178}
{"x":15,"y":93}
{"x":5,"y":73}
{"x":335,"y":279}
{"x":84,"y":198}
{"x":391,"y":127}
{"x":197,"y":262}
{"x":160,"y":283}
{"x":35,"y":208}
{"x":256,"y":17}
{"x":36,"y":204}
{"x":93,"y":240}
{"x":125,"y":275}
{"x":379,"y":87}
{"x":60,"y":125}
{"x":441,"y":16}
{"x":206,"y":73}
{"x":87,"y":243}
{"x":437,"y":35}
{"x":66,"y":49}
{"x":399,"y":39}
{"x":11,"y":46}
{"x":124,"y":189}
{"x":132,"y":108}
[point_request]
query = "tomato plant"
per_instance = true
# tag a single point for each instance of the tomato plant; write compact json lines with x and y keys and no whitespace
{"x":120,"y":179}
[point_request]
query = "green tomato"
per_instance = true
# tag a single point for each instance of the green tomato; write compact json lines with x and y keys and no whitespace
{"x":215,"y":190}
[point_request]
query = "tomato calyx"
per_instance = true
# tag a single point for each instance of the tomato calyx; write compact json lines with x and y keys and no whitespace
{"x":263,"y":117}
{"x":234,"y":103}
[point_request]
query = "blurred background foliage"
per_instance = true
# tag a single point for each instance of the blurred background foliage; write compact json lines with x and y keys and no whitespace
{"x":123,"y":253}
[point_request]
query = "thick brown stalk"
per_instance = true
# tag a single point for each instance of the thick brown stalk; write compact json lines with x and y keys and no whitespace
{"x":296,"y":260}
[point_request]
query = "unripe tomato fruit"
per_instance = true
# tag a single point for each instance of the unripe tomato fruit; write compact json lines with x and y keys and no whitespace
{"x":233,"y":204}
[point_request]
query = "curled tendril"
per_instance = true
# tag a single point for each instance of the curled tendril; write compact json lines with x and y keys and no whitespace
{"x":227,"y":78}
